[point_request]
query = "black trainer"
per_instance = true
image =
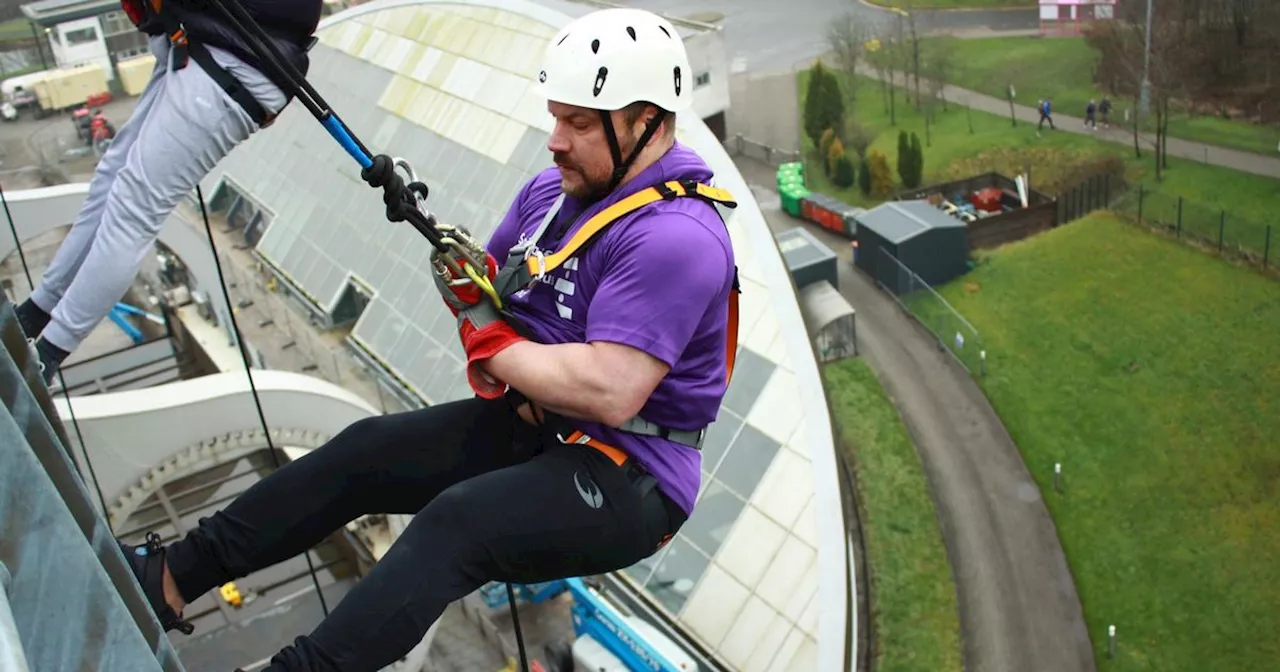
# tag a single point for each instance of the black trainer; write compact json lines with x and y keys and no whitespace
{"x":148,"y":565}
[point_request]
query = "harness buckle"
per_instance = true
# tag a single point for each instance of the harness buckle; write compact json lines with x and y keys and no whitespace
{"x":536,"y":253}
{"x":667,"y":193}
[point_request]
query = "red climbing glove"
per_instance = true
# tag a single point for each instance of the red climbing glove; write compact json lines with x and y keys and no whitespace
{"x":483,"y":331}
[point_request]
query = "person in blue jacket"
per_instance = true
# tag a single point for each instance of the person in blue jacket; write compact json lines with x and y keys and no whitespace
{"x":207,"y":94}
{"x":1046,"y":114}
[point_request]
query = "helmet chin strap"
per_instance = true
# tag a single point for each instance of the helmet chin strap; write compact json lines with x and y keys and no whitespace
{"x":620,"y":166}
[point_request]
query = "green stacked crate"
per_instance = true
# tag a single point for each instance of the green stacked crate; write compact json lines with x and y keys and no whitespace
{"x":790,"y":173}
{"x":791,"y":196}
{"x":791,"y":187}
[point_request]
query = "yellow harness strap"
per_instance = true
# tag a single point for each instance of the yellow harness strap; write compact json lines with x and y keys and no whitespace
{"x":542,"y":265}
{"x":538,"y":266}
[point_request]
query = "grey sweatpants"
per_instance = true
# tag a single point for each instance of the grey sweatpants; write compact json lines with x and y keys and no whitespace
{"x":183,"y":125}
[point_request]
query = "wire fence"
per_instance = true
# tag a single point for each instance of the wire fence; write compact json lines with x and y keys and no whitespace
{"x":741,"y":146}
{"x":1229,"y":234}
{"x":954,"y":333}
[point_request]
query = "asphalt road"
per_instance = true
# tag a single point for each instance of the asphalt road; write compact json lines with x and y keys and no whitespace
{"x":1018,"y":605}
{"x":763,"y":35}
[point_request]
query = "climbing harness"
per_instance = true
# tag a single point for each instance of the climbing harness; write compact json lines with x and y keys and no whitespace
{"x":526,"y":265}
{"x":148,"y":14}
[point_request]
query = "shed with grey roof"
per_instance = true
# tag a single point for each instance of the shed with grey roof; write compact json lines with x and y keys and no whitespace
{"x":926,"y":240}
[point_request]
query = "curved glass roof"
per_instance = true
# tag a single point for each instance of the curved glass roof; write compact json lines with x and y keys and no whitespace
{"x":446,"y":86}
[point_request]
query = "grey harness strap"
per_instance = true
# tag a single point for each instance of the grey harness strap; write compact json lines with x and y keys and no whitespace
{"x":514,"y":275}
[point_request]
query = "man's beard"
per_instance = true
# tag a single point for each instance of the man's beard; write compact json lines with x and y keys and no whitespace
{"x":591,"y":190}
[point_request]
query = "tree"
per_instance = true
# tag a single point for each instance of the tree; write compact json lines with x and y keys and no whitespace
{"x":880,"y":53}
{"x":864,"y":177}
{"x":881,"y":175}
{"x":843,"y":176}
{"x":857,"y":138}
{"x":904,"y":158}
{"x":1123,"y":62}
{"x":823,"y":105}
{"x":917,"y":163}
{"x":847,"y":38}
{"x":825,"y":142}
{"x":909,"y":15}
{"x":834,"y":152}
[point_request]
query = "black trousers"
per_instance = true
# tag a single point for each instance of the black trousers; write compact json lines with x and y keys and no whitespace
{"x":496,"y":500}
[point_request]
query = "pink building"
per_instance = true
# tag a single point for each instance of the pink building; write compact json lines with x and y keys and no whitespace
{"x":1071,"y":17}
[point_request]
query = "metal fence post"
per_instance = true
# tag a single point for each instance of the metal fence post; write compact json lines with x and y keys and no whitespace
{"x":1266,"y":249}
{"x":1222,"y":226}
{"x":1179,"y":216}
{"x":1142,"y":196}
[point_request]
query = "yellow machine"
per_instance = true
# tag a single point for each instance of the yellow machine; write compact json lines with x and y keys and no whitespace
{"x":231,"y":594}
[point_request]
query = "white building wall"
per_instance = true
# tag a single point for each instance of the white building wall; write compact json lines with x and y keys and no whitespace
{"x":80,"y":42}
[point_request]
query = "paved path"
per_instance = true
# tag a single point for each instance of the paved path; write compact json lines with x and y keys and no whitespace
{"x":1249,"y":162}
{"x":1018,"y":605}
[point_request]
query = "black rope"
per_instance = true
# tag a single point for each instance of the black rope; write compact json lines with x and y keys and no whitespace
{"x":515,"y":623}
{"x":66,"y":393}
{"x":401,"y":206}
{"x":253,"y":388}
{"x":16,"y":243}
{"x":400,"y":202}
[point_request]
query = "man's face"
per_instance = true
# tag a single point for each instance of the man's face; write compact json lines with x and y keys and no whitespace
{"x":581,"y":150}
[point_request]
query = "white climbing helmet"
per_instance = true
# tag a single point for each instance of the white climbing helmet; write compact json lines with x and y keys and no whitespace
{"x":611,"y":58}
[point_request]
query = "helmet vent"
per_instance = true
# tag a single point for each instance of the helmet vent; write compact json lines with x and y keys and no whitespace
{"x":677,"y":79}
{"x":664,"y":29}
{"x":566,"y":36}
{"x":595,"y":46}
{"x":600,"y":77}
{"x":632,"y":32}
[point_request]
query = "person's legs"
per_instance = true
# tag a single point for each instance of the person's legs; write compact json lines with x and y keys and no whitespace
{"x":383,"y":464}
{"x":568,"y":512}
{"x":192,"y":125}
{"x":33,"y":314}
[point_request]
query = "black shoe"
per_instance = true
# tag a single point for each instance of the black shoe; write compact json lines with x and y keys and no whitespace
{"x":147,"y":563}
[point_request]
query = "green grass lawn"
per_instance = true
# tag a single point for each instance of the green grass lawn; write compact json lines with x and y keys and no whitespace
{"x":1151,"y":371}
{"x":1062,"y":69}
{"x":916,"y":619}
{"x":953,"y":152}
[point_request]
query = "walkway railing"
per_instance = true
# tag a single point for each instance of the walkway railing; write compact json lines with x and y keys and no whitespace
{"x":69,"y":601}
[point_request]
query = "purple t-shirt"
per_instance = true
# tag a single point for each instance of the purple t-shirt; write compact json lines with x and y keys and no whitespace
{"x":657,"y":280}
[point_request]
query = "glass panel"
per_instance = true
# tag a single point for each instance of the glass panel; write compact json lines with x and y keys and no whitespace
{"x":677,"y":575}
{"x":749,"y":457}
{"x":750,"y":373}
{"x":712,"y":518}
{"x":719,"y":434}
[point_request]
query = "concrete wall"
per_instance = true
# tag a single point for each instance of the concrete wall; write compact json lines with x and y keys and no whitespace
{"x":128,"y":434}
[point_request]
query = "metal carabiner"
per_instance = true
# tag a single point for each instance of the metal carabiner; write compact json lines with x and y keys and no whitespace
{"x":421,"y":201}
{"x":419,"y":198}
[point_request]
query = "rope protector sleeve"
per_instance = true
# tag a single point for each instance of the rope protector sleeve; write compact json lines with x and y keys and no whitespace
{"x":339,"y":133}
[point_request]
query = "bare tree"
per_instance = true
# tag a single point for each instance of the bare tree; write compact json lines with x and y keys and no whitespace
{"x":880,"y":54}
{"x":939,"y":68}
{"x":909,"y":15}
{"x":847,"y":38}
